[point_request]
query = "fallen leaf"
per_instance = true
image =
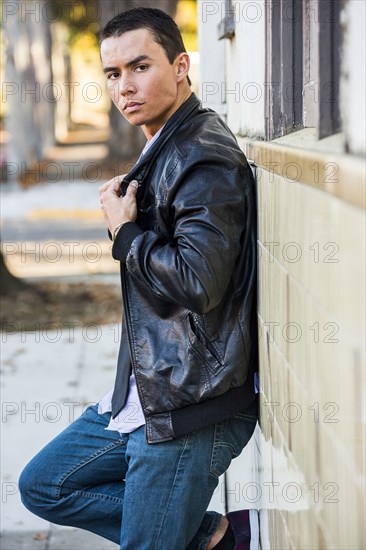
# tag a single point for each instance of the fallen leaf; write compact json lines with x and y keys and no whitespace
{"x":40,"y":536}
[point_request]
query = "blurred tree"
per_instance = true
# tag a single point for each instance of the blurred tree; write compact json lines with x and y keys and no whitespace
{"x":38,"y":35}
{"x":28,"y":86}
{"x":8,"y":283}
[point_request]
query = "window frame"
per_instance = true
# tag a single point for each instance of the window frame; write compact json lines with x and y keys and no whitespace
{"x":303,"y":42}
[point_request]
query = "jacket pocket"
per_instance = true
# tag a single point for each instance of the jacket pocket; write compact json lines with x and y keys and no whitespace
{"x":201,"y":345}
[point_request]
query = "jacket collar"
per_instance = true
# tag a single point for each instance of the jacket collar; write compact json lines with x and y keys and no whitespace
{"x":141,"y":168}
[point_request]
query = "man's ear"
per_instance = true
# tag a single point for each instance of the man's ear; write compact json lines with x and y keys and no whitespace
{"x":182,"y":64}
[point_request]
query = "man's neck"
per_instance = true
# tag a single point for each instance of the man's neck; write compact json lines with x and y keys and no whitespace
{"x":150,"y":131}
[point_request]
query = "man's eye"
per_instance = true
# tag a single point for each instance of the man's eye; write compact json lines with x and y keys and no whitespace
{"x":141,"y":68}
{"x":113,"y":76}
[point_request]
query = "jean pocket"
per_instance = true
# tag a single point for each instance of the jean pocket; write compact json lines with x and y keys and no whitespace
{"x":231,"y":436}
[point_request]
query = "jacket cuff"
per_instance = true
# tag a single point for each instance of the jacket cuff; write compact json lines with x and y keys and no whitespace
{"x":123,"y":240}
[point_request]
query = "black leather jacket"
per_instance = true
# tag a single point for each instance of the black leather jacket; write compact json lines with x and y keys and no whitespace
{"x":188,"y":273}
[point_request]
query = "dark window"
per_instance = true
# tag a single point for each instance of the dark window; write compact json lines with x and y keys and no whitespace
{"x":302,"y":66}
{"x":329,"y":67}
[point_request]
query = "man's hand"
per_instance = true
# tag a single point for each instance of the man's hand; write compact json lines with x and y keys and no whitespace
{"x":117,"y":209}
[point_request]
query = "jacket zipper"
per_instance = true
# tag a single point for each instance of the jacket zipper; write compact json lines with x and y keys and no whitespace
{"x":209,"y":345}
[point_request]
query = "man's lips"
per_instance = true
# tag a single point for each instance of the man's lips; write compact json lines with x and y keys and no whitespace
{"x":131,"y":106}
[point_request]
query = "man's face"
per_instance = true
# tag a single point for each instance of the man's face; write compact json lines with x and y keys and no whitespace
{"x":141,"y":81}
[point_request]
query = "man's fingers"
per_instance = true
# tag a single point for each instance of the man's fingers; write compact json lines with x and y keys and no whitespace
{"x":113,"y":184}
{"x":105,"y":186}
{"x":112,"y":187}
{"x":132,"y":188}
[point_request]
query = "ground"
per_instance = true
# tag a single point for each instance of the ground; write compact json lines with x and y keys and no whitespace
{"x":58,"y":302}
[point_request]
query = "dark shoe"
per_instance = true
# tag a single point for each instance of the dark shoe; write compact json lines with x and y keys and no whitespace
{"x":245,"y":526}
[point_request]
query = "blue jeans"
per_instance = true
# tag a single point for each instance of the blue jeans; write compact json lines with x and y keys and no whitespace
{"x":140,"y":496}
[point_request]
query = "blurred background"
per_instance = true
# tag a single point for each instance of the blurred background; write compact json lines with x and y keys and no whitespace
{"x":288,"y":77}
{"x":61,"y":138}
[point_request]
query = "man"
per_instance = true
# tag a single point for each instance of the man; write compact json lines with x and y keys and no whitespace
{"x":183,"y":225}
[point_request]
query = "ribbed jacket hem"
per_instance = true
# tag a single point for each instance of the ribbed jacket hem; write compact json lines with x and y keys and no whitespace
{"x":197,"y":416}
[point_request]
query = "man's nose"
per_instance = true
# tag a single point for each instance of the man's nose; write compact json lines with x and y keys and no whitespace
{"x":128,"y":88}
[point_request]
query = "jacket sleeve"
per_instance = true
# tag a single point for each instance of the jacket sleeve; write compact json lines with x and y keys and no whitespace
{"x":207,"y":207}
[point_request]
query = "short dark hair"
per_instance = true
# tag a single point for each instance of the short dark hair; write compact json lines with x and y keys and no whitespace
{"x":162,"y":27}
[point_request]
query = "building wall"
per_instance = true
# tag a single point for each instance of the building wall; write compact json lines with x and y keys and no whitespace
{"x":305,"y":467}
{"x":311,"y":247}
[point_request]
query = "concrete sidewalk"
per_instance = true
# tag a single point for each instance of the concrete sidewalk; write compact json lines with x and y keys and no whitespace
{"x":53,"y":230}
{"x":47,"y":381}
{"x":54,"y":538}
